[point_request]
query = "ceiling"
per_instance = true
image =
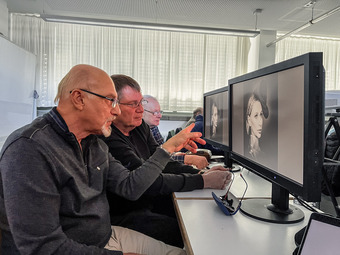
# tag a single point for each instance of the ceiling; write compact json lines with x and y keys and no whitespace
{"x":280,"y":15}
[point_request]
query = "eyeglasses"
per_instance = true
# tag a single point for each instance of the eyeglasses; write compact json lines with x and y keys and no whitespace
{"x":228,"y":203}
{"x":114,"y":101}
{"x":135,"y":105}
{"x":154,"y":113}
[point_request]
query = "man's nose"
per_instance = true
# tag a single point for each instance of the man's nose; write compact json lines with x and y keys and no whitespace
{"x":116,"y":110}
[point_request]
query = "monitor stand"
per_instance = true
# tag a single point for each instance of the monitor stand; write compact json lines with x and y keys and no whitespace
{"x":276,"y":210}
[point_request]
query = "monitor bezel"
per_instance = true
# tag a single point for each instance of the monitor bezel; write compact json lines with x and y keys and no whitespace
{"x":310,"y":190}
{"x":224,"y":147}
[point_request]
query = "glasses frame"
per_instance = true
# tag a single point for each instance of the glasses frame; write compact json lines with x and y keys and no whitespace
{"x":154,"y":113}
{"x":134,"y":105}
{"x":225,"y":204}
{"x":114,"y":101}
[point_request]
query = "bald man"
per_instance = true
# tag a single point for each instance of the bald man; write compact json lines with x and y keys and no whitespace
{"x":55,"y":174}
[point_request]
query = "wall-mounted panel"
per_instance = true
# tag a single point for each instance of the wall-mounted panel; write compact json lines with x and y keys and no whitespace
{"x":17,"y":83}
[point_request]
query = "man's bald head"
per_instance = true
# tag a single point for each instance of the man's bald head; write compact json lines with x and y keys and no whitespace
{"x":80,"y":76}
{"x":85,"y":101}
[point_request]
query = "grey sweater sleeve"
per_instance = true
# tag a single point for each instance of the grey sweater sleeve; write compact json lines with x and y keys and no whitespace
{"x":175,"y":176}
{"x":132,"y":184}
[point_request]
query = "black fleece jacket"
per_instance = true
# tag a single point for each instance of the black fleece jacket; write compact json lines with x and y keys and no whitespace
{"x":133,"y":150}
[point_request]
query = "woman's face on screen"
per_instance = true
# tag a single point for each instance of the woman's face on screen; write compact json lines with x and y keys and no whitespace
{"x":214,"y":116}
{"x":255,"y":119}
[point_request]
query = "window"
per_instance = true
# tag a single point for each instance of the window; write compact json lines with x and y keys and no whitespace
{"x":177,"y":68}
{"x":297,"y":45}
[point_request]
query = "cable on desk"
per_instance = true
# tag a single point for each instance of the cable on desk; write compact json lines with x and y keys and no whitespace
{"x":304,"y":204}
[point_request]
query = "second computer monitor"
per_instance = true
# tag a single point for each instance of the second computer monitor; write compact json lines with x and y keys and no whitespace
{"x":216,"y":119}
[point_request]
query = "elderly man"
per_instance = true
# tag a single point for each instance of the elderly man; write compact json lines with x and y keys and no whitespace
{"x":55,"y":174}
{"x":132,"y":143}
{"x":152,"y":116}
{"x":196,"y":112}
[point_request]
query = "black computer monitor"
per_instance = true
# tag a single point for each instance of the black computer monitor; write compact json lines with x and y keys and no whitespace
{"x":216,"y":121}
{"x":277,"y":124}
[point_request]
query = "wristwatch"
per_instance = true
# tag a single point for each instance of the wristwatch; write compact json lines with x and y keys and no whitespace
{"x":170,"y":154}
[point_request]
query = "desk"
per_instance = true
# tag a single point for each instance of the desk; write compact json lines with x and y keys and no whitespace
{"x":206,"y":230}
{"x":257,"y":188}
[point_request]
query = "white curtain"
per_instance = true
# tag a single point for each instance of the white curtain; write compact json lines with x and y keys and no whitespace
{"x":177,"y":68}
{"x":298,"y":45}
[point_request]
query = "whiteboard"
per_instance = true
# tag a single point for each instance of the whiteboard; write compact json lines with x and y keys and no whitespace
{"x":17,"y":84}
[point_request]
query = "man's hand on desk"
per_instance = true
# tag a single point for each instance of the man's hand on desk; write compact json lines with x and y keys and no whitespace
{"x":217,"y":177}
{"x":199,"y":161}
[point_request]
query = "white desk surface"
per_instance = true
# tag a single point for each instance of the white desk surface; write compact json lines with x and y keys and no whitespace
{"x":206,"y":230}
{"x":257,"y":188}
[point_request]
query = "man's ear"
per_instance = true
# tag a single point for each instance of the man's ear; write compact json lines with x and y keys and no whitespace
{"x":77,"y":99}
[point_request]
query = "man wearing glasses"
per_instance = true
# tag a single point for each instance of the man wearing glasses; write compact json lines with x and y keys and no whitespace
{"x":152,"y":116}
{"x":132,"y":143}
{"x":55,"y":173}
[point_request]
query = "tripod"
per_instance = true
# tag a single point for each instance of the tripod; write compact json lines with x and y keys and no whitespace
{"x":332,"y":122}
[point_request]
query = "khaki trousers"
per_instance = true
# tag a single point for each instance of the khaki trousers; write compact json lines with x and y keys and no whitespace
{"x":127,"y":240}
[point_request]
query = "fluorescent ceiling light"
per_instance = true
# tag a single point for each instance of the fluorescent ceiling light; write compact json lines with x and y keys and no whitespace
{"x":309,"y":23}
{"x":150,"y":26}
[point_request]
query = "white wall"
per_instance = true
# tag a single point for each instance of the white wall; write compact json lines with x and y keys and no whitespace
{"x":259,"y":54}
{"x":266,"y":54}
{"x":3,"y":18}
{"x":253,"y":57}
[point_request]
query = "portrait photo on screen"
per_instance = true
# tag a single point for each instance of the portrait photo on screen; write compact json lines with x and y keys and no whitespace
{"x":268,"y":121}
{"x":256,"y":102}
{"x":217,"y":118}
